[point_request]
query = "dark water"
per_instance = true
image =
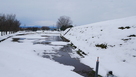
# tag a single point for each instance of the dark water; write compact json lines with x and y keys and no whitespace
{"x":53,"y":38}
{"x":65,"y":58}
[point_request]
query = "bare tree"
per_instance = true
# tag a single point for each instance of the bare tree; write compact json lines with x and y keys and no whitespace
{"x":64,"y":21}
{"x":8,"y":23}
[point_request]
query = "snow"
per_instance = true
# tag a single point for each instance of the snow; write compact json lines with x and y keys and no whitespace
{"x":120,"y":54}
{"x":24,"y":59}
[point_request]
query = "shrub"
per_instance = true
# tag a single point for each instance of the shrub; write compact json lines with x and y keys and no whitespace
{"x":81,"y":53}
{"x":127,"y":27}
{"x":73,"y":46}
{"x":126,"y":39}
{"x":121,"y":28}
{"x":103,"y":46}
{"x":133,"y":35}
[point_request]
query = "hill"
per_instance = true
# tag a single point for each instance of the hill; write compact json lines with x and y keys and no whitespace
{"x":113,"y":41}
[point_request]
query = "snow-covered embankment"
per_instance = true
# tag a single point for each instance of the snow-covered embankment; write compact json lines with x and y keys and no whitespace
{"x":118,"y":38}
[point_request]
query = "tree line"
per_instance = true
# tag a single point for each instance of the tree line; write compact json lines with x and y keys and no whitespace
{"x":33,"y":28}
{"x":8,"y":24}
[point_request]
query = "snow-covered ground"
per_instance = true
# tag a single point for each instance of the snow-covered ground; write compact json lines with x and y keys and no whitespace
{"x":5,"y":36}
{"x":118,"y":35}
{"x":24,"y":59}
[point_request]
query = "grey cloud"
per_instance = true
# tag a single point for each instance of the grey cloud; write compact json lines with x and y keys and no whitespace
{"x":81,"y":11}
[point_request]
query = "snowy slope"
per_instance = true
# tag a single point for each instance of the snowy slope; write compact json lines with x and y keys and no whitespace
{"x":118,"y":35}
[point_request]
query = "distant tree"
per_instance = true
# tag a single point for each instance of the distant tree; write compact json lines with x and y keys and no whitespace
{"x":45,"y":28}
{"x":64,"y":22}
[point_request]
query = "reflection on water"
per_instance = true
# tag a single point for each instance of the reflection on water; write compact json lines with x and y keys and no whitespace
{"x":53,"y":38}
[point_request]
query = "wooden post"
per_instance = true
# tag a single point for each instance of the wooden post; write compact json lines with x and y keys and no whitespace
{"x":97,"y":67}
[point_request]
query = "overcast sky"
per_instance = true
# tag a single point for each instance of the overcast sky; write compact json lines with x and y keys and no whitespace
{"x":81,"y":12}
